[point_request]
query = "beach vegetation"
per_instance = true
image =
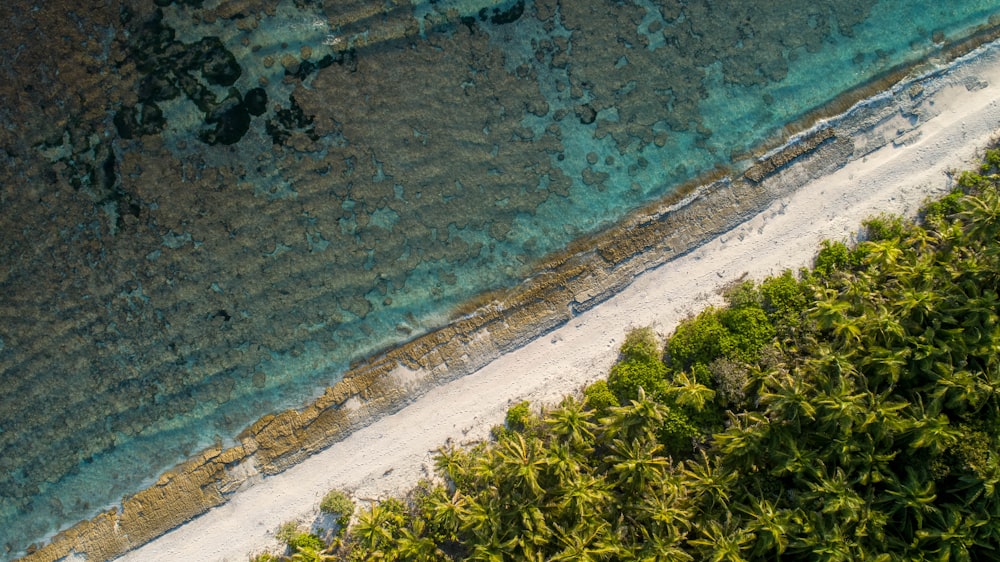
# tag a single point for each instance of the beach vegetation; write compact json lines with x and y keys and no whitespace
{"x":518,"y":416}
{"x":834,"y":256}
{"x":338,"y":504}
{"x":640,"y":344}
{"x":885,"y":226}
{"x":849,"y":412}
{"x":598,"y":397}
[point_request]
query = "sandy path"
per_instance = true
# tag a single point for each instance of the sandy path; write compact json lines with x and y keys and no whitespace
{"x":391,"y":454}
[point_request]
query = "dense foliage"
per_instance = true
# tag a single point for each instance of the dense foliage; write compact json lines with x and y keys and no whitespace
{"x":849,"y":412}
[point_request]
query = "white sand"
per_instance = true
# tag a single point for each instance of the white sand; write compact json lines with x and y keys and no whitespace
{"x":390,"y":455}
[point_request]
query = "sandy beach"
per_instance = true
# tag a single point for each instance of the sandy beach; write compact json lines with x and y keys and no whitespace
{"x":910,"y":163}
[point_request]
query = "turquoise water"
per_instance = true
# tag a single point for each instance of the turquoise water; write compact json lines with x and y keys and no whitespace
{"x":444,"y":156}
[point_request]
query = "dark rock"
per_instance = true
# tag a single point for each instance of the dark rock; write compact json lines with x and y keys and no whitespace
{"x":137,"y":121}
{"x":586,"y":114}
{"x":196,"y":92}
{"x":287,"y":120}
{"x":502,"y":17}
{"x":157,"y":87}
{"x":217,"y":64}
{"x":256,"y":101}
{"x":231,"y":119}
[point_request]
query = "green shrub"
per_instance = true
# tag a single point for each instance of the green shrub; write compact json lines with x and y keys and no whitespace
{"x":265,"y":557}
{"x":833,"y":256}
{"x":292,"y":534}
{"x":933,"y":212}
{"x":747,"y":331}
{"x":783,"y":299}
{"x":743,"y":294}
{"x":991,"y":162}
{"x":885,"y":227}
{"x":288,"y":531}
{"x":697,"y":340}
{"x":729,"y":379}
{"x":338,"y":503}
{"x":701,"y":374}
{"x":641,"y":343}
{"x":518,"y":416}
{"x":677,"y":433}
{"x":599,"y":397}
{"x":627,"y":377}
{"x":306,"y":541}
{"x":736,"y":333}
{"x":973,"y":182}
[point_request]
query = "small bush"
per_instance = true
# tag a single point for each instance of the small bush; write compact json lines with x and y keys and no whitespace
{"x":627,"y":377}
{"x":783,"y":299}
{"x":677,"y":434}
{"x":500,"y":432}
{"x":696,"y":340}
{"x":518,"y":416}
{"x":973,"y":182}
{"x":599,"y":397}
{"x":307,"y":541}
{"x":934,"y":212}
{"x":991,"y":162}
{"x":885,"y":227}
{"x":729,"y":379}
{"x":833,"y":256}
{"x":641,"y":343}
{"x":292,"y":534}
{"x":747,"y":331}
{"x":288,"y":531}
{"x":338,"y":503}
{"x":742,"y":295}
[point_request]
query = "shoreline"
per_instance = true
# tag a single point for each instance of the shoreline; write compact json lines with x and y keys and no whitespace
{"x":510,"y":348}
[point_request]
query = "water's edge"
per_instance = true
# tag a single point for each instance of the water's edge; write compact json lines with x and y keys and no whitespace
{"x":588,"y":273}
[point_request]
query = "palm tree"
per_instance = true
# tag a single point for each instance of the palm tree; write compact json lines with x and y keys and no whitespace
{"x":452,"y":462}
{"x":709,"y":482}
{"x":635,"y":464}
{"x":661,"y":547}
{"x":589,"y":541}
{"x":414,"y":546}
{"x":788,"y":397}
{"x":374,"y":528}
{"x":307,"y":553}
{"x":913,"y":497}
{"x":582,"y":496}
{"x":571,"y":423}
{"x":981,"y":215}
{"x":930,"y":429}
{"x":769,"y":524}
{"x":687,"y":391}
{"x":723,"y":542}
{"x":953,"y":534}
{"x":445,"y":511}
{"x":521,"y":463}
{"x":640,"y":419}
{"x":836,"y":495}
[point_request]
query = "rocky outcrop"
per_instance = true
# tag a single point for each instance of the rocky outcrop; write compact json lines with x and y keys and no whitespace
{"x":766,"y":167}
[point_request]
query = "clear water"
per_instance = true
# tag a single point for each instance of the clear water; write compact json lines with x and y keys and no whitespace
{"x":434,"y":209}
